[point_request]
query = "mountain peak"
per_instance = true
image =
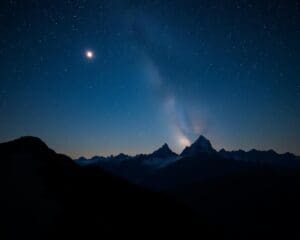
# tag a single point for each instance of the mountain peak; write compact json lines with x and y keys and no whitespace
{"x":202,"y":141}
{"x":163,"y":152}
{"x":165,"y":146}
{"x":201,"y":145}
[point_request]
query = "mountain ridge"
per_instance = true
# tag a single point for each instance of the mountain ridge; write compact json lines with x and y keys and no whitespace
{"x":200,"y":145}
{"x":198,"y":162}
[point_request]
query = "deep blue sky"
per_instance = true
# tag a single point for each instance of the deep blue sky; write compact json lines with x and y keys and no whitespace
{"x":163,"y":71}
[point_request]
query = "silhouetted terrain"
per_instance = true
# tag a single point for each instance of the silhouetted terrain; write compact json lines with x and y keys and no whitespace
{"x":204,"y":193}
{"x":48,"y":196}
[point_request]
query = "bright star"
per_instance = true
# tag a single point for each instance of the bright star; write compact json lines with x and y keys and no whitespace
{"x":89,"y":54}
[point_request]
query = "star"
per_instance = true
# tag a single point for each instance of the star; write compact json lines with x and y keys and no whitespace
{"x":89,"y":54}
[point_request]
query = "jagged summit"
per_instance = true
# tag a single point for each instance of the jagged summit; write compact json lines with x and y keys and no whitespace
{"x":203,"y":142}
{"x":165,"y":145}
{"x":201,"y":145}
{"x":163,"y":152}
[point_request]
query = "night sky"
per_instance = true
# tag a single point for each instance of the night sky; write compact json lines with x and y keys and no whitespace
{"x":103,"y":77}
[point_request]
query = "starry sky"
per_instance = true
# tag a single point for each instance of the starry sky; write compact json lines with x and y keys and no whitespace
{"x":157,"y":71}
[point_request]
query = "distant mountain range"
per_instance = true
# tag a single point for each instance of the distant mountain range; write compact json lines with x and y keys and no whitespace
{"x":159,"y":158}
{"x":163,"y":168}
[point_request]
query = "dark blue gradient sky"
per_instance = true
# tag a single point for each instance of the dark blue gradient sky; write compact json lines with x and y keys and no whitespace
{"x":163,"y":71}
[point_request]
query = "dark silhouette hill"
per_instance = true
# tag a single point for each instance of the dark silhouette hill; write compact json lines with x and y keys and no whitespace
{"x":46,"y":196}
